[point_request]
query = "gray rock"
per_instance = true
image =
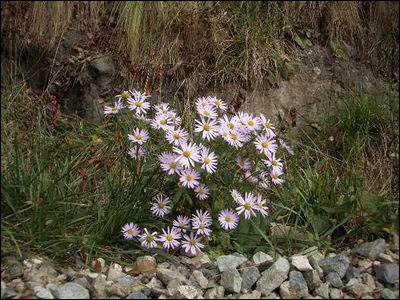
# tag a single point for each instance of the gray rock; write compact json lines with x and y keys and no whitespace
{"x":368,"y":280}
{"x":99,"y":287}
{"x":155,"y":283}
{"x":71,"y":290}
{"x":388,"y":294}
{"x":357,"y":288}
{"x":186,"y":292}
{"x":231,"y":280}
{"x":273,"y":295}
{"x":385,"y":258}
{"x":334,"y":279}
{"x":226,"y":262}
{"x":136,"y":295}
{"x":10,"y":293}
{"x":115,"y":272}
{"x":253,"y":295}
{"x":261,"y":258}
{"x":166,"y":275}
{"x":338,"y":264}
{"x":323,"y":290}
{"x":102,"y":65}
{"x":43,"y":274}
{"x":198,"y":262}
{"x":301,"y":263}
{"x":352,"y":272}
{"x":372,"y":249}
{"x":43,"y":293}
{"x":215,"y":293}
{"x":336,"y":294}
{"x":174,"y":283}
{"x":273,"y":277}
{"x":200,"y":279}
{"x":295,"y":288}
{"x":314,"y":258}
{"x":249,"y":276}
{"x":3,"y":288}
{"x":313,"y":280}
{"x":13,"y":266}
{"x":387,"y":273}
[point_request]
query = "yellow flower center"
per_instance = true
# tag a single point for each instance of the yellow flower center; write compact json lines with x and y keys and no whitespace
{"x":189,"y":177}
{"x":186,"y":153}
{"x":177,"y":136}
{"x":225,"y":134}
{"x":231,"y":125}
{"x":149,"y":238}
{"x":138,"y":137}
{"x":138,"y":104}
{"x":217,"y":103}
{"x":234,"y":136}
{"x":202,"y":226}
{"x":207,"y":113}
{"x":181,"y":225}
{"x":228,"y":219}
{"x":172,"y":165}
{"x":207,"y":161}
{"x":274,"y":176}
{"x":130,"y":231}
{"x":114,"y":108}
{"x":163,"y":122}
{"x":274,"y":163}
{"x":267,"y":125}
{"x":125,"y":95}
{"x":250,"y":123}
{"x":170,"y":237}
{"x":161,"y":205}
{"x":192,"y":242}
{"x":265,"y":144}
{"x":206,"y":127}
{"x":247,"y":205}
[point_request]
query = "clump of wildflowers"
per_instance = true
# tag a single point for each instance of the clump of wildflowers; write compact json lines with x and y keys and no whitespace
{"x":201,"y":163}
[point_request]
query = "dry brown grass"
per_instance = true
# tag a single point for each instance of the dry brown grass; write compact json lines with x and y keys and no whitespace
{"x":245,"y":42}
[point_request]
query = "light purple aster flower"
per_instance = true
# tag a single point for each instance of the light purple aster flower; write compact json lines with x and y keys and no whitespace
{"x":202,"y":227}
{"x":261,"y":206}
{"x":182,"y":223}
{"x":130,"y":231}
{"x":169,"y":164}
{"x":161,"y":121}
{"x":139,"y":136}
{"x":202,"y":217}
{"x":265,"y":144}
{"x":267,"y":125}
{"x":111,"y":110}
{"x":275,"y":177}
{"x":202,"y":192}
{"x":160,"y":207}
{"x":243,"y":163}
{"x":273,"y":162}
{"x":137,"y":153}
{"x":189,"y":178}
{"x":192,"y":244}
{"x":208,"y":128}
{"x":138,"y":103}
{"x":177,"y":136}
{"x":247,"y":205}
{"x":188,"y":154}
{"x":170,"y":238}
{"x":162,"y":108}
{"x":228,"y":219}
{"x":236,"y":196}
{"x":148,"y":240}
{"x":208,"y":160}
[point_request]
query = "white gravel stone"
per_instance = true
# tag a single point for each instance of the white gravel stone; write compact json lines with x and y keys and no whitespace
{"x":301,"y":263}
